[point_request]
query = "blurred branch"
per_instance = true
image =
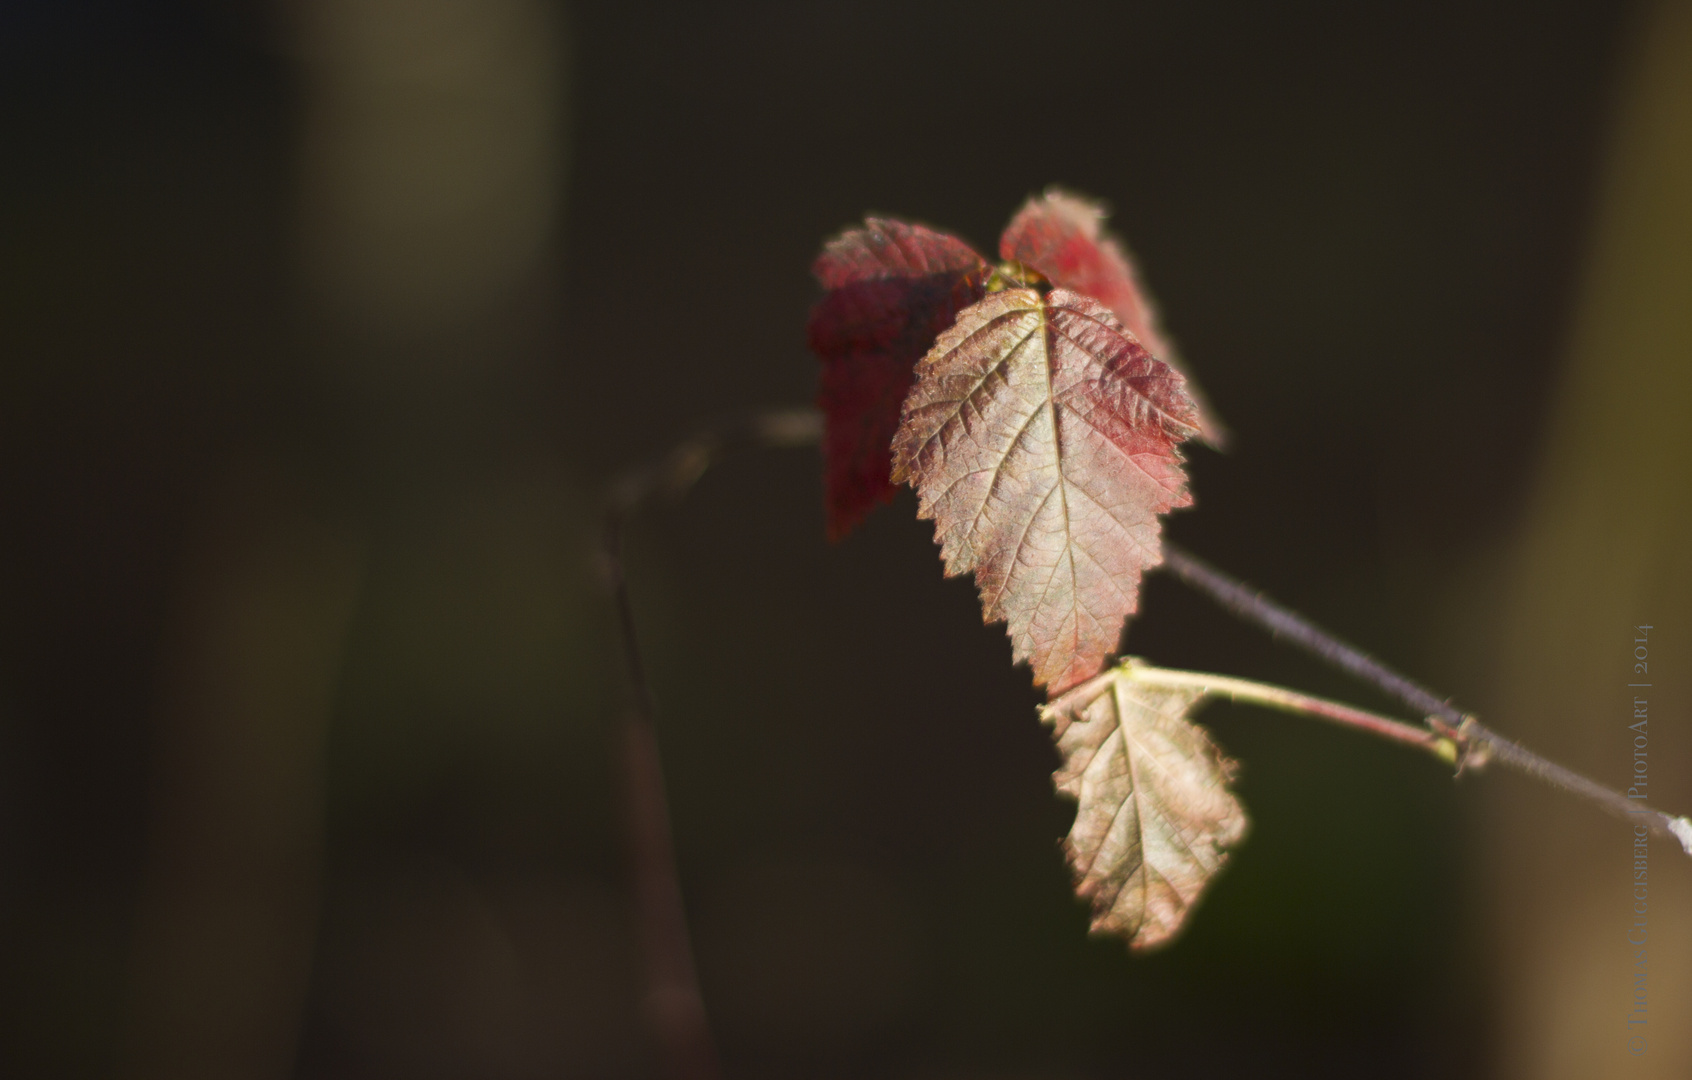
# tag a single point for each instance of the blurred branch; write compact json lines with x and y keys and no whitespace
{"x":674,"y":1007}
{"x":229,"y":910}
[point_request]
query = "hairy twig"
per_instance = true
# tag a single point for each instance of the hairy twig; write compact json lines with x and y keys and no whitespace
{"x":674,"y":1008}
{"x":1252,"y":606}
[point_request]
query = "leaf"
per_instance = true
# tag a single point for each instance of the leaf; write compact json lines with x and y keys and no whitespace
{"x":1154,"y":818}
{"x":893,"y":287}
{"x":1042,"y":441}
{"x":1063,"y":237}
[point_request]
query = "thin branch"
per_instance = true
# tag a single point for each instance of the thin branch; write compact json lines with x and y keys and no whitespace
{"x":674,"y":1007}
{"x":1253,"y":607}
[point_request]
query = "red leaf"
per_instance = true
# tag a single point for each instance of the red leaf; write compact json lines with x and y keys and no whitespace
{"x":893,"y":287}
{"x":1064,"y":238}
{"x":1042,"y":440}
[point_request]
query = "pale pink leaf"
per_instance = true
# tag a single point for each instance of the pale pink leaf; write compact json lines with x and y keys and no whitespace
{"x":1154,"y":819}
{"x":1042,"y":440}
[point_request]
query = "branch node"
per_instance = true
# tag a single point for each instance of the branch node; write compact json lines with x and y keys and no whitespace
{"x":1469,"y":750}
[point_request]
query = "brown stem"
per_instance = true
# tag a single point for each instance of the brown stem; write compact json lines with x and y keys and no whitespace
{"x":674,"y":1008}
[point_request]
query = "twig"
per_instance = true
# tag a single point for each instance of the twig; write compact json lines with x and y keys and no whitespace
{"x":674,"y":1007}
{"x":1254,"y":607}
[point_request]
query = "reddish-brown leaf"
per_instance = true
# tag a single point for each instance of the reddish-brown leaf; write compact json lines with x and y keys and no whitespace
{"x":1063,"y":237}
{"x":1154,"y":819}
{"x":893,"y":287}
{"x":1042,"y":440}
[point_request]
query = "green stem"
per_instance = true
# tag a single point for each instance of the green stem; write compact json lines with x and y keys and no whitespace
{"x":1443,"y":747}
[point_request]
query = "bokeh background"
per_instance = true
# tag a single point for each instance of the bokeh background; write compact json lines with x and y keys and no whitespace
{"x":324,"y":322}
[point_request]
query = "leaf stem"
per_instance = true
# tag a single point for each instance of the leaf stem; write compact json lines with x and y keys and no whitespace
{"x":1281,"y":622}
{"x":674,"y":1007}
{"x":1444,"y":747}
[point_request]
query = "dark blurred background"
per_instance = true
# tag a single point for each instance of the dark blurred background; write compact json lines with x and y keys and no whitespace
{"x":324,"y":322}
